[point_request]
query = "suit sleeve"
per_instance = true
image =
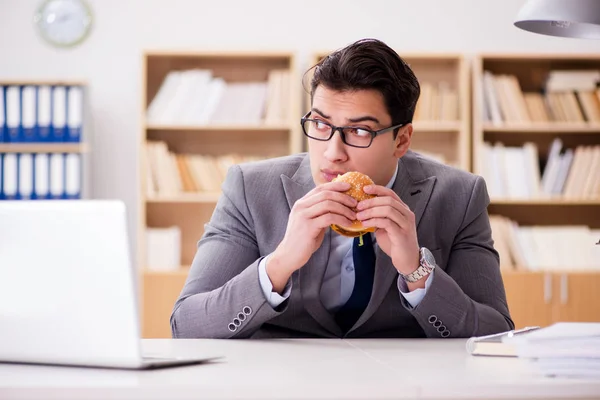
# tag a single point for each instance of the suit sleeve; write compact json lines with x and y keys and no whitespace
{"x":468,"y":298}
{"x":222,"y":296}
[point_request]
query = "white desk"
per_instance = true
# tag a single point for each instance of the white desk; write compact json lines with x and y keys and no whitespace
{"x":302,"y":369}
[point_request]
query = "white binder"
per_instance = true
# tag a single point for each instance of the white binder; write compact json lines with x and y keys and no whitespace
{"x":59,"y":113}
{"x":2,"y":126}
{"x":25,"y":176}
{"x":44,"y":113}
{"x":75,"y":113}
{"x":28,"y":117}
{"x":57,"y":176}
{"x":73,"y":176}
{"x":13,"y":114}
{"x":9,"y":172}
{"x":42,"y":176}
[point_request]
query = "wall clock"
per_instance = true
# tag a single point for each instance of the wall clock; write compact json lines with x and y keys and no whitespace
{"x":63,"y":23}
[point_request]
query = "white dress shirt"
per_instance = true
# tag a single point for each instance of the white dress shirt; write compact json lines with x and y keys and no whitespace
{"x":338,"y":281}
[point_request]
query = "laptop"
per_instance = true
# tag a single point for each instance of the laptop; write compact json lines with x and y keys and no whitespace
{"x":67,"y":287}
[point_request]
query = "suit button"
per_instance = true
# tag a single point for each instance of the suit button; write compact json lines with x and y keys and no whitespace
{"x":432,"y":319}
{"x":241,"y":316}
{"x":237,"y":322}
{"x":441,"y":328}
{"x":247,"y":310}
{"x":232,"y":327}
{"x":437,"y":324}
{"x":445,"y":333}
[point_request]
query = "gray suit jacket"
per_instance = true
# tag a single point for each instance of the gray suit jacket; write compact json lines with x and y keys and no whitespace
{"x":222,"y":297}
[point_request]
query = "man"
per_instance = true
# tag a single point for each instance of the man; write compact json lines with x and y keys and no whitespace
{"x":268,"y":264}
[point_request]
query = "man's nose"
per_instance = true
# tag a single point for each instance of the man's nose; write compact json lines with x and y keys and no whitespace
{"x":336,"y":149}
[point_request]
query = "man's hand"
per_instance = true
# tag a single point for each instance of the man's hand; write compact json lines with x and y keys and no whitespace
{"x":396,"y":232}
{"x":309,"y":218}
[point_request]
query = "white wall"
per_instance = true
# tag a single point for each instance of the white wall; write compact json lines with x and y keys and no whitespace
{"x":110,"y":60}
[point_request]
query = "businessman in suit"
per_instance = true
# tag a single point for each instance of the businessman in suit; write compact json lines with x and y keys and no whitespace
{"x":269,"y":266}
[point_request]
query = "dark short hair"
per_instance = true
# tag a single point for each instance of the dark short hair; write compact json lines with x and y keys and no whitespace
{"x":371,"y":64}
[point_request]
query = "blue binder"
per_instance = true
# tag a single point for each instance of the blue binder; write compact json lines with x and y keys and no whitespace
{"x":10,"y":173}
{"x":2,"y":114}
{"x":41,"y":176}
{"x":29,"y":114}
{"x":74,"y":113}
{"x":44,"y":113}
{"x":1,"y":176}
{"x":25,"y":176}
{"x":57,"y":176}
{"x":59,"y":113}
{"x":13,"y":114}
{"x":73,"y":180}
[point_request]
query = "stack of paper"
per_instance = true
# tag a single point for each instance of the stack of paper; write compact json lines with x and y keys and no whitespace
{"x":163,"y":248}
{"x":566,"y":349}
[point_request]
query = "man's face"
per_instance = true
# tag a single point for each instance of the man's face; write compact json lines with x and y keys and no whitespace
{"x":362,"y":109}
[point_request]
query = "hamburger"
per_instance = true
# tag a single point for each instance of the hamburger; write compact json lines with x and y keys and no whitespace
{"x":357,"y":181}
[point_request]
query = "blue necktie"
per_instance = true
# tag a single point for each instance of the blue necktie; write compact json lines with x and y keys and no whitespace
{"x":363,"y":256}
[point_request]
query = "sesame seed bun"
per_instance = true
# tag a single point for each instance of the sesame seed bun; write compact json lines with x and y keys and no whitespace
{"x":357,"y":181}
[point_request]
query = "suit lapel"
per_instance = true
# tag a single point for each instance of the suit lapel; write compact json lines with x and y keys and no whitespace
{"x":414,"y":189}
{"x":311,"y":275}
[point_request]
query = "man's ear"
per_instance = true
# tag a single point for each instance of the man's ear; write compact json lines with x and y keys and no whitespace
{"x":402,"y":142}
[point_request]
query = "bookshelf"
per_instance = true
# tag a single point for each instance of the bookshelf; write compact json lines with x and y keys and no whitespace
{"x":442,"y":118}
{"x":44,"y":139}
{"x":536,"y":141}
{"x":206,"y":111}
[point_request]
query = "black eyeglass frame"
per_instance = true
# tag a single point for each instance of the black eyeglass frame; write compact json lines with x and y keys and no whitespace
{"x":334,"y":129}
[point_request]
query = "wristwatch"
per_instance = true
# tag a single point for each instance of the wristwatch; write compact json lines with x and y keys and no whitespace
{"x":426,"y":265}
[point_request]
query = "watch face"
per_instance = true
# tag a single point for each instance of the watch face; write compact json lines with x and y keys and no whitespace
{"x":428,"y":257}
{"x":63,"y":22}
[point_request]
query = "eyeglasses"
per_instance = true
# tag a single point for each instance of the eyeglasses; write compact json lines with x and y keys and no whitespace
{"x":352,"y":136}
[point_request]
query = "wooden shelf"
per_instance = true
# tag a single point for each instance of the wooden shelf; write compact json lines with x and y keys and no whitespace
{"x":41,"y":82}
{"x":182,"y":272}
{"x":43,"y":148}
{"x":560,"y":271}
{"x":437,"y":126}
{"x":219,"y":54}
{"x":543,"y":128}
{"x":220,"y":128}
{"x":210,"y":198}
{"x":191,"y":211}
{"x":542,"y":202}
{"x":545,"y":296}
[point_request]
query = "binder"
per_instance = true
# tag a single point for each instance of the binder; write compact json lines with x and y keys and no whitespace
{"x":28,"y":114}
{"x":25,"y":174}
{"x":74,"y":113}
{"x":13,"y":114}
{"x":2,"y":119}
{"x":57,"y":176}
{"x":59,"y":113}
{"x":44,"y":113}
{"x":41,"y":173}
{"x":10,"y":173}
{"x":73,"y":176}
{"x":1,"y":176}
{"x":40,"y":114}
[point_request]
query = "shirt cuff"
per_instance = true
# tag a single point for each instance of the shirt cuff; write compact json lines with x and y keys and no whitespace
{"x":273,"y":298}
{"x":414,"y":298}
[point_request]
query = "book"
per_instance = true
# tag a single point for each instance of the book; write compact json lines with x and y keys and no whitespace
{"x":493,"y":345}
{"x":564,"y":349}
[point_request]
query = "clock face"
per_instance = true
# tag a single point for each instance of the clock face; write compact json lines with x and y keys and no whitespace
{"x":63,"y":22}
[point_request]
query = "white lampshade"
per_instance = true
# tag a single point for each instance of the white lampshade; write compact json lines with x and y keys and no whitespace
{"x":566,"y":18}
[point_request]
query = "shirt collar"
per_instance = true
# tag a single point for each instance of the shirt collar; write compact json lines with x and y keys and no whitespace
{"x":391,"y":182}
